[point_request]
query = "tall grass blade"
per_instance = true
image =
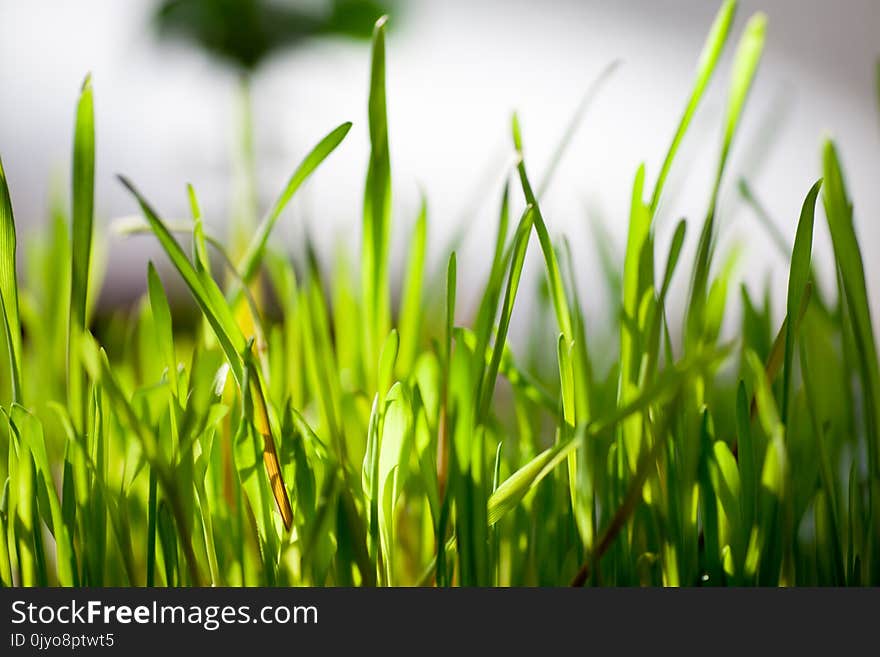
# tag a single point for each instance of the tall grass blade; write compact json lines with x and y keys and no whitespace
{"x":711,"y":53}
{"x":376,"y":301}
{"x":9,"y":288}
{"x":745,"y":66}
{"x":411,"y":304}
{"x":798,"y":280}
{"x":253,"y":255}
{"x":83,"y":184}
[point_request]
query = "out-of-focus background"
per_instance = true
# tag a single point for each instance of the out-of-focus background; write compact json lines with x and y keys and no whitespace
{"x":166,"y":115}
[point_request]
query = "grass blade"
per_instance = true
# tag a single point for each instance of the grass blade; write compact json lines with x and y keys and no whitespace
{"x":798,"y":280}
{"x":217,"y":313}
{"x":554,"y":278}
{"x":377,"y":213}
{"x":9,"y":287}
{"x":252,"y":258}
{"x":745,"y":66}
{"x":411,"y":304}
{"x":711,"y":53}
{"x":83,"y":183}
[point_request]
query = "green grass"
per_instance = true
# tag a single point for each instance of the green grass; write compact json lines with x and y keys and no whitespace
{"x":304,"y":431}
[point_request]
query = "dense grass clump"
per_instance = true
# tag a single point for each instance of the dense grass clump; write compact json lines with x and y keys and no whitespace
{"x":341,"y":440}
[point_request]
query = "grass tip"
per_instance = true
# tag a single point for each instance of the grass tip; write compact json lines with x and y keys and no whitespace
{"x":757,"y":24}
{"x":517,"y":134}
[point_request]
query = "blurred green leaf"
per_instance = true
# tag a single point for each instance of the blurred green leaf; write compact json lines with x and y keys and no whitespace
{"x":246,"y":32}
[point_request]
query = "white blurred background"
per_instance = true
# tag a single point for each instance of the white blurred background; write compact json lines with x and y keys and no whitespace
{"x":456,"y":70}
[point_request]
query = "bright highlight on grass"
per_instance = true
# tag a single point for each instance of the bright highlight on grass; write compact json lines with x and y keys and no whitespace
{"x":307,"y":432}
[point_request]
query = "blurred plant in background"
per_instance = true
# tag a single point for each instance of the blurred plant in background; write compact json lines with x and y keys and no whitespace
{"x":243,"y":34}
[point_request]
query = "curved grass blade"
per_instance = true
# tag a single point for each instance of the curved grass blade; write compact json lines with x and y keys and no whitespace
{"x":839,"y":213}
{"x":212,"y":303}
{"x":554,"y":278}
{"x":205,"y":292}
{"x":665,"y":386}
{"x":708,"y":61}
{"x":252,"y":258}
{"x":798,"y":280}
{"x":745,"y":66}
{"x":520,"y":244}
{"x":9,"y":287}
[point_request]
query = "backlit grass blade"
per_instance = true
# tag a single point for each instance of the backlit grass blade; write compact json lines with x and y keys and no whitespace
{"x":162,"y":321}
{"x":672,"y":258}
{"x":377,"y":213}
{"x":252,"y":258}
{"x":212,"y":303}
{"x":83,"y":184}
{"x":566,"y":379}
{"x":30,"y":432}
{"x":584,"y":374}
{"x":654,"y":323}
{"x":9,"y":287}
{"x":554,"y":278}
{"x":709,"y":503}
{"x":444,"y":428}
{"x":708,"y":61}
{"x":520,"y":244}
{"x":488,"y":308}
{"x":21,"y":511}
{"x":525,"y":383}
{"x":411,"y":303}
{"x":5,"y":559}
{"x":451,"y":289}
{"x":745,"y":66}
{"x":832,"y":538}
{"x":798,"y":279}
{"x":218,"y":314}
{"x":263,"y":425}
{"x":512,"y":490}
{"x":839,"y":212}
{"x":394,"y":453}
{"x":387,"y":362}
{"x":728,"y":486}
{"x":746,"y":457}
{"x":638,"y":276}
{"x":854,"y":294}
{"x":96,"y":362}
